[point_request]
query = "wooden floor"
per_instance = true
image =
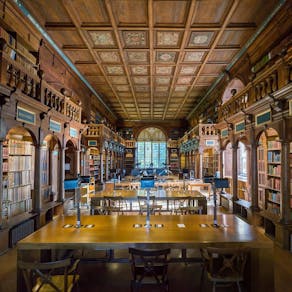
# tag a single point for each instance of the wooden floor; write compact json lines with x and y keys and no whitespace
{"x":116,"y":276}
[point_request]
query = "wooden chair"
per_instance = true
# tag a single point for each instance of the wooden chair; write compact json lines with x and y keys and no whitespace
{"x":149,"y":268}
{"x":224,"y":266}
{"x":142,"y":201}
{"x":97,"y":206}
{"x":115,"y":204}
{"x":60,"y":276}
{"x":181,"y":205}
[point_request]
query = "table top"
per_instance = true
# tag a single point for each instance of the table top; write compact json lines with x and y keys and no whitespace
{"x":120,"y":231}
{"x":159,"y":194}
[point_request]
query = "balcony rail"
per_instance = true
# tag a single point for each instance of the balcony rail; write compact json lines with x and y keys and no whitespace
{"x":275,"y":77}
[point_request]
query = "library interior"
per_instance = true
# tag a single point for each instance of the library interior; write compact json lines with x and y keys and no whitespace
{"x":145,"y":145}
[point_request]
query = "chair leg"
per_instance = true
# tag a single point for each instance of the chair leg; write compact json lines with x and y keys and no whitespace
{"x":238,"y":286}
{"x":202,"y":278}
{"x":214,"y":287}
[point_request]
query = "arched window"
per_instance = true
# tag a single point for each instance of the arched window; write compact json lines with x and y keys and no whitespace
{"x":151,"y":148}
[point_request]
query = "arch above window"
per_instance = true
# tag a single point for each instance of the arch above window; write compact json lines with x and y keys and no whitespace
{"x":151,"y":134}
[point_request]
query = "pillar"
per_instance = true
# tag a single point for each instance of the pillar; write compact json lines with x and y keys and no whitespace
{"x":234,"y":172}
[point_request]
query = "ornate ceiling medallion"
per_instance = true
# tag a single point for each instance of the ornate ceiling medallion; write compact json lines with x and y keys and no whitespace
{"x":165,"y":56}
{"x":109,"y":57}
{"x":102,"y":38}
{"x":135,"y":38}
{"x":167,"y":38}
{"x":137,"y":57}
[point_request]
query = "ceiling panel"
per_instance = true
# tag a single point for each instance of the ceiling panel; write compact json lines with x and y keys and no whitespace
{"x":151,"y":59}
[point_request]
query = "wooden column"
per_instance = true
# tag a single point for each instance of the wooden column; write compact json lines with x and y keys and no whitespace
{"x":37,"y":180}
{"x":234,"y":172}
{"x":61,"y":196}
{"x":101,"y":166}
{"x":286,"y":212}
{"x":221,"y":161}
{"x":253,"y":169}
{"x":1,"y":181}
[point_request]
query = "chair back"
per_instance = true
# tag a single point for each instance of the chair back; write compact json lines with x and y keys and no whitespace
{"x":228,"y":263}
{"x":113,"y":204}
{"x":58,"y":276}
{"x":149,"y":267}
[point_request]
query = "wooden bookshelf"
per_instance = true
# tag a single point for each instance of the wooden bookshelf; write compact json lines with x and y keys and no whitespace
{"x":210,"y":162}
{"x":290,"y":174}
{"x":273,"y":183}
{"x":92,"y":164}
{"x":18,"y":177}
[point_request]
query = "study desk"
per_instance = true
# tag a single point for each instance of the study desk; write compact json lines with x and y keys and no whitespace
{"x":160,"y":195}
{"x":178,"y":231}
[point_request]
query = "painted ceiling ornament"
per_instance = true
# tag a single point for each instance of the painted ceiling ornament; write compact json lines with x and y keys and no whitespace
{"x":193,"y":56}
{"x":102,"y":38}
{"x":116,"y":70}
{"x":188,"y":70}
{"x":135,"y":38}
{"x":163,"y":69}
{"x":139,"y":70}
{"x":163,"y":80}
{"x":109,"y":57}
{"x":137,"y":56}
{"x":167,"y":38}
{"x":166,"y":56}
{"x":140,"y":80}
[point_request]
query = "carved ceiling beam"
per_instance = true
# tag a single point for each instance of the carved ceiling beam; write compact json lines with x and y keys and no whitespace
{"x":117,"y":36}
{"x":70,"y":10}
{"x":181,"y":52}
{"x":213,"y":46}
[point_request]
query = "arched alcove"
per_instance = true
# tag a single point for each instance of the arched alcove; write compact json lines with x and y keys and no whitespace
{"x":50,"y":167}
{"x":18,"y":172}
{"x":70,"y":161}
{"x":151,"y":148}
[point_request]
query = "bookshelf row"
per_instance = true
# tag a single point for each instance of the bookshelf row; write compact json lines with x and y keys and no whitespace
{"x":17,"y":147}
{"x":17,"y":194}
{"x":274,"y":156}
{"x":18,"y":178}
{"x":17,"y":163}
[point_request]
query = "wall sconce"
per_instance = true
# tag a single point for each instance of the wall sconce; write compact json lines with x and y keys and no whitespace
{"x":66,"y":125}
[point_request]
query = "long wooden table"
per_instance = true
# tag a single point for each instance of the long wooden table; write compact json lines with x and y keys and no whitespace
{"x":182,"y":232}
{"x":160,"y":195}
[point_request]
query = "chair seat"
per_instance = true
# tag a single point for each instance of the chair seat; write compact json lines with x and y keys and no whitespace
{"x":58,"y":281}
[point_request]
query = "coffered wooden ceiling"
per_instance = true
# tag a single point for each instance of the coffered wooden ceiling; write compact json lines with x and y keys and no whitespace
{"x":155,"y":59}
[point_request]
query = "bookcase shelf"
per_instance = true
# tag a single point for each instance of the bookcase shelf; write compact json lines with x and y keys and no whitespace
{"x":269,"y":175}
{"x":17,"y":177}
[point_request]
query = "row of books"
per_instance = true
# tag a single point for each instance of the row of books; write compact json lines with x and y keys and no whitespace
{"x":19,"y":147}
{"x":19,"y":163}
{"x":19,"y":193}
{"x":274,"y":196}
{"x":19,"y":207}
{"x":274,"y":145}
{"x":274,"y":209}
{"x":274,"y":183}
{"x":274,"y":156}
{"x":19,"y":178}
{"x":274,"y":170}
